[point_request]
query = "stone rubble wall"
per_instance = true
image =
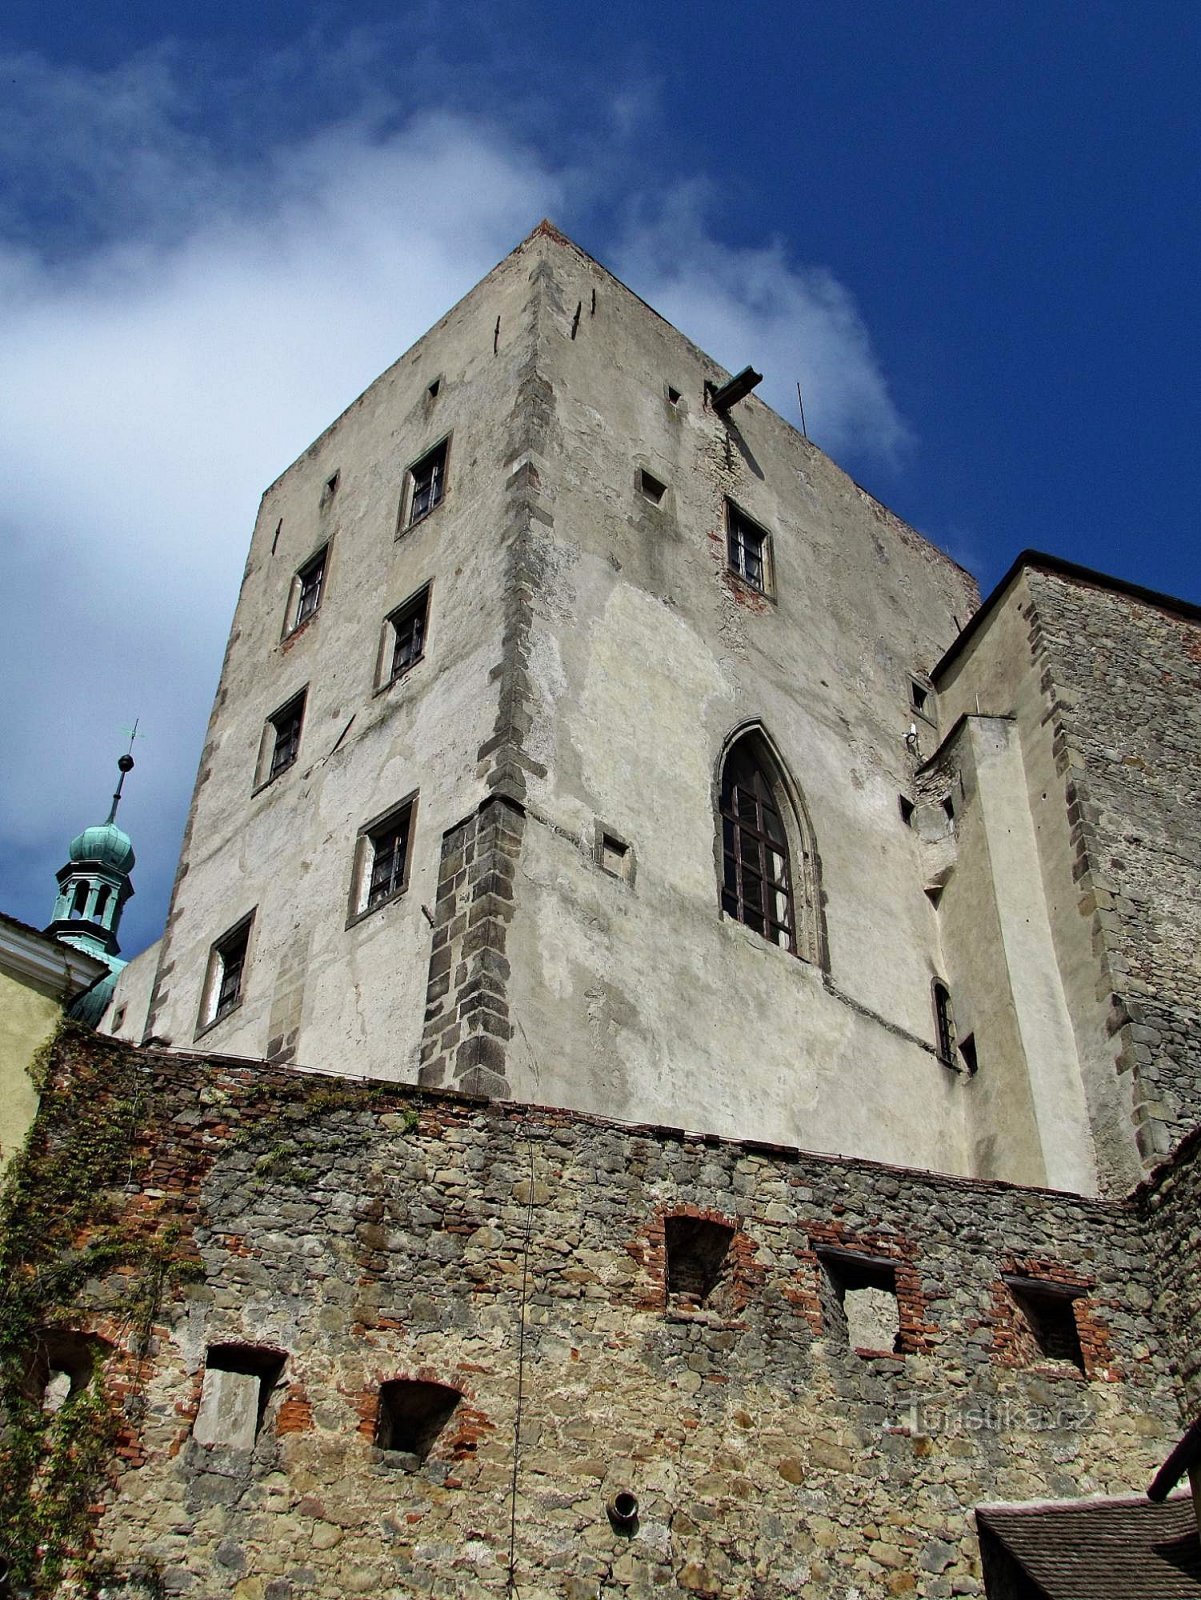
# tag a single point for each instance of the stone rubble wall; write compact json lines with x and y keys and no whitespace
{"x":1127,"y":711}
{"x":372,"y":1232}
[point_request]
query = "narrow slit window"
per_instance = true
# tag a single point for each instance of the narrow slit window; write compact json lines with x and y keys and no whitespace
{"x":944,"y":1023}
{"x":427,"y":484}
{"x":330,"y":489}
{"x":747,"y":548}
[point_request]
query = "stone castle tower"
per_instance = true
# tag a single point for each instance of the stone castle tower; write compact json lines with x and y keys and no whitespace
{"x":516,"y":636}
{"x":673,"y":1063}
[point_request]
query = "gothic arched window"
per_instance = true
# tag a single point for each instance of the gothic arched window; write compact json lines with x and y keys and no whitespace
{"x":767,"y":862}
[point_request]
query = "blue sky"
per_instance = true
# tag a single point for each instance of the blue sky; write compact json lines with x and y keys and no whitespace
{"x":970,"y":231}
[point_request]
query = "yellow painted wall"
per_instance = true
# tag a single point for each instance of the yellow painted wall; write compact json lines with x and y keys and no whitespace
{"x":28,"y":1016}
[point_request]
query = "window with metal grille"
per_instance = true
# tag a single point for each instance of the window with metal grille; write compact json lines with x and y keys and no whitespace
{"x":308,"y":584}
{"x":757,"y":882}
{"x":406,"y":633}
{"x":227,"y":966}
{"x":747,"y":548}
{"x":427,"y":483}
{"x":285,"y":726}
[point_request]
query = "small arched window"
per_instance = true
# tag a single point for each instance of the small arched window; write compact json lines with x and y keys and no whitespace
{"x":79,"y":904}
{"x":102,"y":899}
{"x":767,"y":862}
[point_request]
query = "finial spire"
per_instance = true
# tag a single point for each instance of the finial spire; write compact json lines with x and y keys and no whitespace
{"x":125,"y":764}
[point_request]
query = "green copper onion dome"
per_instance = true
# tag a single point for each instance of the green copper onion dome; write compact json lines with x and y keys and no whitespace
{"x":94,"y":886}
{"x":105,"y":844}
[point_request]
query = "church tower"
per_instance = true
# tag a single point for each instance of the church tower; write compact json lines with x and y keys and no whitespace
{"x":93,"y":888}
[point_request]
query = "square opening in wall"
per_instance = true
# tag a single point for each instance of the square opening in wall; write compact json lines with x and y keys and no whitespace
{"x":62,"y":1365}
{"x":412,"y":1414}
{"x":650,"y":488}
{"x":1047,"y":1313}
{"x":861,"y":1302}
{"x":238,"y":1382}
{"x":614,"y":855}
{"x":697,"y":1248}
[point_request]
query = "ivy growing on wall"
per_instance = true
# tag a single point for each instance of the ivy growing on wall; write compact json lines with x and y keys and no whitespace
{"x":61,"y":1236}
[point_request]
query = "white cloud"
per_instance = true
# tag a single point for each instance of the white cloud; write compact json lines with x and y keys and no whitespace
{"x":159,"y":375}
{"x":750,"y":305}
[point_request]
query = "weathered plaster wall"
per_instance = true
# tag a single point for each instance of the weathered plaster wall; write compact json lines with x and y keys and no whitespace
{"x":637,"y":998}
{"x":129,"y":1008}
{"x":1027,"y":1115}
{"x":373,"y":1233}
{"x":28,"y":1017}
{"x":314,"y":988}
{"x":1003,"y":671}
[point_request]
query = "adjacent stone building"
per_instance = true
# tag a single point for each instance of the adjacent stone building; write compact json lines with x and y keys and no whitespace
{"x":672,"y":1060}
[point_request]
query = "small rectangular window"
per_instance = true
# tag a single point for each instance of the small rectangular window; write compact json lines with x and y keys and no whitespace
{"x":748,"y":549}
{"x":404,"y":637}
{"x":412,"y":1414}
{"x":650,"y":487}
{"x":330,"y":489}
{"x":307,"y":587}
{"x":382,"y":862}
{"x":860,"y":1302}
{"x":238,"y":1383}
{"x":226,"y":969}
{"x":697,"y":1249}
{"x":1047,"y":1328}
{"x":283,"y":737}
{"x":427,"y":484}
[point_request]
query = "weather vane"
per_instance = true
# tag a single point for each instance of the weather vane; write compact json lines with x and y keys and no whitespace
{"x":125,"y":764}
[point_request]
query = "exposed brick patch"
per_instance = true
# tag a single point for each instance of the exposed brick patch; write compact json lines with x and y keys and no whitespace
{"x":916,"y":1332}
{"x":737,"y":1281}
{"x":393,"y":1241}
{"x":1013,"y":1342}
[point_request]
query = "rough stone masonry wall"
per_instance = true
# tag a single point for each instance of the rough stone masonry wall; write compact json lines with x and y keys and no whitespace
{"x":371,"y":1233}
{"x":1127,"y":709}
{"x":1172,"y":1199}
